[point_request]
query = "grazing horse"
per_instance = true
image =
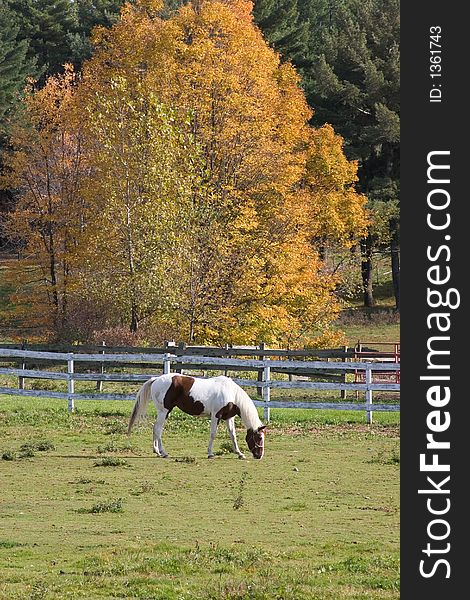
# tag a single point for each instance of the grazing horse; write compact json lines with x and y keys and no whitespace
{"x":217,"y":397}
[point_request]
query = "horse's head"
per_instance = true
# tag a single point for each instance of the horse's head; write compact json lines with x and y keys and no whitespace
{"x":255,"y":440}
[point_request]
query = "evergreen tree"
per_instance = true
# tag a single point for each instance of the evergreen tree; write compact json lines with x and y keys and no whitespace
{"x":14,"y":69}
{"x":171,"y":6}
{"x":90,"y":13}
{"x":46,"y":24}
{"x":14,"y":66}
{"x":353,"y":83}
{"x":58,"y":31}
{"x":283,"y":27}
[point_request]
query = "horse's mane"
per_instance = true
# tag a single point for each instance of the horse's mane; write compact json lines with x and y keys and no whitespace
{"x":248,"y":411}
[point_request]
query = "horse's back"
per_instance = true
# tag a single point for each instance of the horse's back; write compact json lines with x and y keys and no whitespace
{"x":218,"y":385}
{"x":214,"y":392}
{"x":181,"y":390}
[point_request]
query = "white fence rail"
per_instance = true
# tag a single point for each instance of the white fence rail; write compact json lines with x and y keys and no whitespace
{"x":167,"y":361}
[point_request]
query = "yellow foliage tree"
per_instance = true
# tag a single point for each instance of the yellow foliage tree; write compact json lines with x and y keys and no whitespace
{"x":138,"y":198}
{"x":248,"y":271}
{"x":335,"y":212}
{"x":208,"y":191}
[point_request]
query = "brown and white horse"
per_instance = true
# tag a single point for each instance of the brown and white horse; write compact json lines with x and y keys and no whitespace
{"x":217,"y":397}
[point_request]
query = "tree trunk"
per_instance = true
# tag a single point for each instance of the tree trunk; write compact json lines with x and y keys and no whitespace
{"x":134,"y":325}
{"x":53,"y":275}
{"x":134,"y":319}
{"x":395,"y":259}
{"x":191,"y":330}
{"x":367,"y":268}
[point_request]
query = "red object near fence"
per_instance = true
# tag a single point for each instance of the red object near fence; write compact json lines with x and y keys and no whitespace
{"x":377,"y":356}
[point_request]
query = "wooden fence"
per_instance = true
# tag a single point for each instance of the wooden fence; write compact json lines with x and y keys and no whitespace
{"x":367,"y":352}
{"x":226,"y":351}
{"x":171,"y":361}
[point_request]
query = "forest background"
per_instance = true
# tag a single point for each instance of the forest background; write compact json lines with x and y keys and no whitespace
{"x":211,"y":171}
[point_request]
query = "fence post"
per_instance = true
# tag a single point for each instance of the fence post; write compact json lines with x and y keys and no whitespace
{"x":70,"y":384}
{"x":357,"y":356}
{"x":266,"y":393}
{"x":23,"y":366}
{"x":180,"y":352}
{"x":259,"y":389}
{"x":166,"y":363}
{"x":397,"y":360}
{"x":99,"y":384}
{"x":368,"y":394}
{"x":290,"y":376}
{"x":226,"y":349}
{"x":344,"y":393}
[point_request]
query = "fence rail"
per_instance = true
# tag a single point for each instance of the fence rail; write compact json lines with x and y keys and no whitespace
{"x":166,"y":361}
{"x":226,"y":351}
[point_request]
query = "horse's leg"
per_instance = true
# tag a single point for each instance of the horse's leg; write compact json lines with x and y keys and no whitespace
{"x":157,"y":433}
{"x":231,"y":429}
{"x":214,"y":423}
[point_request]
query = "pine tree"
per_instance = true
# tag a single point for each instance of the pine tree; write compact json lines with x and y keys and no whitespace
{"x":353,"y":83}
{"x":14,"y":69}
{"x":171,"y":6}
{"x":14,"y":66}
{"x":46,"y":25}
{"x":58,"y":31}
{"x":283,"y":27}
{"x":90,"y":13}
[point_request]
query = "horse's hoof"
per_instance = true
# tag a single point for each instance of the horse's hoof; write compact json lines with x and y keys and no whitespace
{"x":211,"y":456}
{"x":241,"y":456}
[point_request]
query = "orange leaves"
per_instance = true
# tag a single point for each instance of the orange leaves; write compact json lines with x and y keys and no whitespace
{"x":243,"y":9}
{"x":47,"y":166}
{"x":334,"y":210}
{"x":205,"y":185}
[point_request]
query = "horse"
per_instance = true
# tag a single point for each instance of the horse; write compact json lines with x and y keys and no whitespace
{"x":218,"y":397}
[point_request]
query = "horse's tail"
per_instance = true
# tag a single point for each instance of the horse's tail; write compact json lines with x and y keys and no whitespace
{"x":141,"y":403}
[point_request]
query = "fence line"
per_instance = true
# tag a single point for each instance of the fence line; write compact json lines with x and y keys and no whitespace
{"x":226,"y":351}
{"x":167,"y":360}
{"x":360,"y":352}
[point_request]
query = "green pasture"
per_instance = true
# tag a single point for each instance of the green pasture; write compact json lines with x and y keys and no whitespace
{"x":371,"y":333}
{"x":88,"y":512}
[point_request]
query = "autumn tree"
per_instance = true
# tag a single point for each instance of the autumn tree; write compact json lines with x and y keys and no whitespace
{"x":46,"y":166}
{"x":137,"y":197}
{"x":207,"y":196}
{"x":245,"y":113}
{"x":335,"y":211}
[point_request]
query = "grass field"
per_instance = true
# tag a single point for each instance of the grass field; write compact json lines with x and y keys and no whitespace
{"x":370,"y":325}
{"x":87,"y":512}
